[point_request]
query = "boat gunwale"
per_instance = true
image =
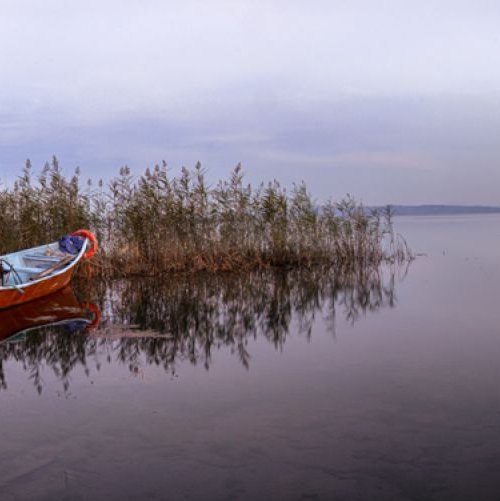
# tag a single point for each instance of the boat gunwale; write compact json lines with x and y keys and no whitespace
{"x":64,"y":269}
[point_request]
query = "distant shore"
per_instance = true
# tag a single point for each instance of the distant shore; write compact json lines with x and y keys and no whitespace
{"x":443,"y":210}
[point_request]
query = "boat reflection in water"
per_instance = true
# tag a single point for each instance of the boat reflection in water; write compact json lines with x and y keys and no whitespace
{"x":28,"y":330}
{"x":161,"y":323}
{"x":59,"y":309}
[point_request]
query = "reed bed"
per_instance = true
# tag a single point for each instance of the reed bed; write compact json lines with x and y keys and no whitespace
{"x":158,"y":223}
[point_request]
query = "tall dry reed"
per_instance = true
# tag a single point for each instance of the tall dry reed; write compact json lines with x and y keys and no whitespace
{"x":159,"y":223}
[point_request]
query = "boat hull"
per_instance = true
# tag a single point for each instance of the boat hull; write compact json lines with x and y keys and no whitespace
{"x":13,"y":297}
{"x":40,"y":271}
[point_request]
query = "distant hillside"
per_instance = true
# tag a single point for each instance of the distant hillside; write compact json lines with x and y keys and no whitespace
{"x":443,"y":210}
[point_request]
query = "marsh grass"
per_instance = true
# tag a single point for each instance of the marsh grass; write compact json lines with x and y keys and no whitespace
{"x":160,"y":223}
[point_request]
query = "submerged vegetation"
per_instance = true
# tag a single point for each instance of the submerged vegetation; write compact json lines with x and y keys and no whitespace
{"x":157,"y":223}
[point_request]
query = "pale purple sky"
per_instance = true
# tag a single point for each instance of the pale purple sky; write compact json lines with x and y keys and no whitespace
{"x":391,"y":101}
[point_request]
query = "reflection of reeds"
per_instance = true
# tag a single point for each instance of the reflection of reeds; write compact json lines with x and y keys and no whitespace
{"x":191,"y":317}
{"x":158,"y":223}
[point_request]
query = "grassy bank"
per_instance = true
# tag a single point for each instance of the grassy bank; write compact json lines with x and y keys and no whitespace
{"x":157,"y":223}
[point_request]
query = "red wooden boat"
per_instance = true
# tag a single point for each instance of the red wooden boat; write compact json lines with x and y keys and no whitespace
{"x":38,"y":272}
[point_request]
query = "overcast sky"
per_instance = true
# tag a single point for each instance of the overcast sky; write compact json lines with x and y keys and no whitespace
{"x":392,"y":101}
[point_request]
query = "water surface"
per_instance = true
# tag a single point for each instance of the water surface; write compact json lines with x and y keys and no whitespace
{"x":307,"y":385}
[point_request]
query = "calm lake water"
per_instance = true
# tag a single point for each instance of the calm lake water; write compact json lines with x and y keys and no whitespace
{"x":293,"y":386}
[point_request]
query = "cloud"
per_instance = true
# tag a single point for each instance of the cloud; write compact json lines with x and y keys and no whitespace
{"x":355,"y":159}
{"x":288,"y":88}
{"x":118,"y":57}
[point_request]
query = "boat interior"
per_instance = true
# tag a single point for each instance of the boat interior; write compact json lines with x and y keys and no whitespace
{"x":22,"y":267}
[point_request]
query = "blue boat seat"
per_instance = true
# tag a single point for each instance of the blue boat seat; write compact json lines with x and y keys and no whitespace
{"x":43,"y":258}
{"x":27,"y":269}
